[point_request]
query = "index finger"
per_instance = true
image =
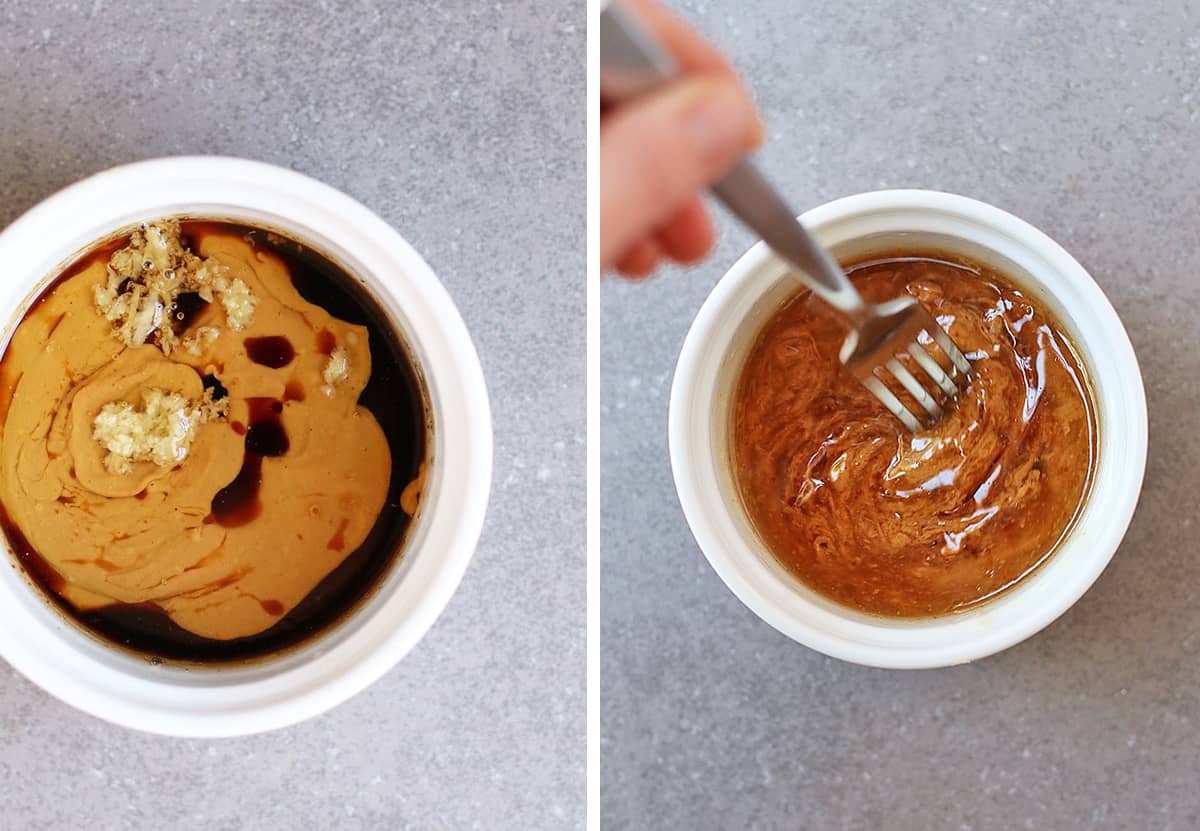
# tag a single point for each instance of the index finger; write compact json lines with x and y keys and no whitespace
{"x":694,"y":53}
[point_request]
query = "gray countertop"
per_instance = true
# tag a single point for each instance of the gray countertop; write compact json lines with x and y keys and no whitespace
{"x":1083,"y":118}
{"x":462,"y":124}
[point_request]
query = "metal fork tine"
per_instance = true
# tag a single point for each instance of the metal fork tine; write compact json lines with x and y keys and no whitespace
{"x":889,"y":400}
{"x":914,"y":388}
{"x":951,"y":349}
{"x":927,"y":363}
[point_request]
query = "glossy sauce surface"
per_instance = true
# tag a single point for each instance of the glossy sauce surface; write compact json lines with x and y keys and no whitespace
{"x":908,"y":525}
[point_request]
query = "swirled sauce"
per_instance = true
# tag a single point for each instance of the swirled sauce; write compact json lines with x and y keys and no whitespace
{"x":915,"y":525}
{"x":283,"y":511}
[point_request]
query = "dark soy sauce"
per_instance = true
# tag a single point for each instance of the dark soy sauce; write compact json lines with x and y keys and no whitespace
{"x":187,"y":306}
{"x":238,"y":503}
{"x":393,"y":395}
{"x":273,"y":351}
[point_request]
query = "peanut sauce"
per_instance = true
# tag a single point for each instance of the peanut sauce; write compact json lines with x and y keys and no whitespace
{"x":905,"y":525}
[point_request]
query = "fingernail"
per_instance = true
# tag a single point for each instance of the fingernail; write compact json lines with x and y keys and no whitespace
{"x":722,"y":123}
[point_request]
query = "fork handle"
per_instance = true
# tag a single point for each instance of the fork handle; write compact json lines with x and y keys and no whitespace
{"x":748,"y":195}
{"x":632,"y":63}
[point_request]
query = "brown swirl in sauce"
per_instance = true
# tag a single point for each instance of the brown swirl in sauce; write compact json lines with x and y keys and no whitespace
{"x":901,"y":525}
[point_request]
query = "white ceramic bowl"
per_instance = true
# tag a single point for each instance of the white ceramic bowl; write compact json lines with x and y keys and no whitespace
{"x":77,"y":668}
{"x":712,"y":358}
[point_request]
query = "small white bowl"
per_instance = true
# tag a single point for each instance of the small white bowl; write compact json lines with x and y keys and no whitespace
{"x":206,"y":702}
{"x":711,"y":361}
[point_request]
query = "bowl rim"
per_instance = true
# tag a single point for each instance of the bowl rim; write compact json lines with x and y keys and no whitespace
{"x":264,"y":696}
{"x":838,"y":631}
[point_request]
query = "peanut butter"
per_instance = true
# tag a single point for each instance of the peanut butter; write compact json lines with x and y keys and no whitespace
{"x":268,"y":499}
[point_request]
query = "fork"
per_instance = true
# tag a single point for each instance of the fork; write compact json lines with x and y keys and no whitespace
{"x":632,"y":63}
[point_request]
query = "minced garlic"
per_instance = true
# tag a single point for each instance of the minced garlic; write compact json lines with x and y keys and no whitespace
{"x":146,"y":277}
{"x":161,"y":431}
{"x":196,"y":342}
{"x":239,"y":304}
{"x":336,"y":370}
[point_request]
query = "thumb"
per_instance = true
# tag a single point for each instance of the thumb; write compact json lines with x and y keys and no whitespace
{"x":659,"y":152}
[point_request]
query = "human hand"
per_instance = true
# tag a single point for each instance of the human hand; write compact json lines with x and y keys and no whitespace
{"x":660,"y":152}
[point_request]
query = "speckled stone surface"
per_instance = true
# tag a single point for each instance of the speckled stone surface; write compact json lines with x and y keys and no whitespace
{"x":462,"y":124}
{"x":1083,"y":118}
